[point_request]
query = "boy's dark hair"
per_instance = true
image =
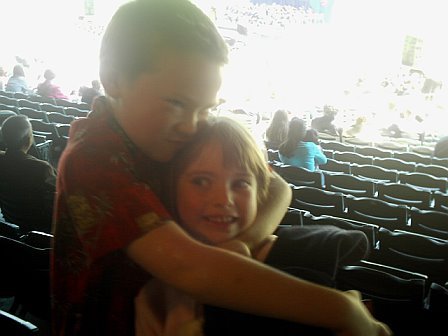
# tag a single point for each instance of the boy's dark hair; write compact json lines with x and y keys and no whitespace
{"x":16,"y":132}
{"x":141,"y":31}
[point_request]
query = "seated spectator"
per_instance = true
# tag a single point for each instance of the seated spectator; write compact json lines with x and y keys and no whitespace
{"x":27,"y":186}
{"x":441,"y":148}
{"x":295,"y":151}
{"x":48,"y":89}
{"x":3,"y":79}
{"x":89,"y":93}
{"x":277,"y":129}
{"x":325,"y":123}
{"x":312,"y":136}
{"x":17,"y":82}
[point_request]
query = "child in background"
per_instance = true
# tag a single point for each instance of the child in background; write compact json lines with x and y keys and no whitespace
{"x":160,"y":66}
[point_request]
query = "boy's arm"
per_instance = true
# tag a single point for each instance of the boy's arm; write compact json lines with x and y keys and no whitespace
{"x":222,"y":278}
{"x":268,"y":217}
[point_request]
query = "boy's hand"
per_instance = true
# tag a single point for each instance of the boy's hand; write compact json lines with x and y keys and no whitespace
{"x":362,"y":323}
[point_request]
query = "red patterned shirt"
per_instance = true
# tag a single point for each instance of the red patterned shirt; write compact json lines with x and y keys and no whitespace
{"x":105,"y":187}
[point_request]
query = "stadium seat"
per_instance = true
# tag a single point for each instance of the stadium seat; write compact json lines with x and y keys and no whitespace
{"x":317,"y":201}
{"x":378,"y":174}
{"x":406,"y":194}
{"x":353,"y":157}
{"x":423,"y":180}
{"x":349,"y":184}
{"x":301,"y":176}
{"x":429,"y":222}
{"x":373,"y":151}
{"x":376,"y":211}
{"x":394,"y":164}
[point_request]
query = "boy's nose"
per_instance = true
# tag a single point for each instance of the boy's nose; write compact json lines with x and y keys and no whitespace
{"x":189,"y":125}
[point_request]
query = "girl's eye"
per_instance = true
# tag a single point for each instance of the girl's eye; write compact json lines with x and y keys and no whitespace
{"x":200,"y":181}
{"x":242,"y":183}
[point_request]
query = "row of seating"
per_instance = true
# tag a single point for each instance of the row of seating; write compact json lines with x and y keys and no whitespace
{"x":411,"y":189}
{"x":403,"y":248}
{"x":370,"y":210}
{"x":408,"y":302}
{"x":416,"y":153}
{"x":17,"y":99}
{"x":35,"y":109}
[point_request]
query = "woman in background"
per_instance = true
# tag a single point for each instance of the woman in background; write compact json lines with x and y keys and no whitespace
{"x":17,"y":82}
{"x":296,"y":151}
{"x":276,"y":131}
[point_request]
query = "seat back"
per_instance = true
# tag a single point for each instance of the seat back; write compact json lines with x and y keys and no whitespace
{"x":432,"y":169}
{"x":440,"y":201}
{"x":376,"y":211}
{"x":413,"y":252}
{"x":59,"y":118}
{"x":408,"y":195}
{"x":395,"y":296}
{"x":394,"y":164}
{"x":33,"y":113}
{"x":293,"y":217}
{"x":353,"y":157}
{"x":424,"y":180}
{"x":317,"y":201}
{"x":374,"y":151}
{"x":29,"y":104}
{"x":412,"y":157}
{"x":337,"y":146}
{"x":336,"y":166}
{"x":350,"y":184}
{"x":429,"y":222}
{"x":52,"y":108}
{"x":375,"y":173}
{"x":26,"y":272}
{"x":8,"y":101}
{"x":301,"y":176}
{"x":440,"y":161}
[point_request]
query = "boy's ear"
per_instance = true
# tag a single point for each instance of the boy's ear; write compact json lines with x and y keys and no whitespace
{"x":110,"y":81}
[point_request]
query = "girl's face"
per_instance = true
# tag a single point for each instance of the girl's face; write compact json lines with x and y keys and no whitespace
{"x":215,"y":202}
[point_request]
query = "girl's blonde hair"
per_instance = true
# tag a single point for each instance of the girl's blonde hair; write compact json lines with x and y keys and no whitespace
{"x":239,"y":150}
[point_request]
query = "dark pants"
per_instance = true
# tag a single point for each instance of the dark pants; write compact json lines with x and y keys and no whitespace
{"x":313,"y":253}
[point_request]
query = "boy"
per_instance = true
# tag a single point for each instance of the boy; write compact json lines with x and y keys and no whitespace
{"x":160,"y":67}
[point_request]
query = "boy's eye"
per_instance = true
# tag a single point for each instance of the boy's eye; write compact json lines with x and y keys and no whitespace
{"x":176,"y":103}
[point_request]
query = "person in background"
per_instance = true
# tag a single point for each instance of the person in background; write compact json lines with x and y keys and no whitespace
{"x":295,"y":151}
{"x":441,"y":148}
{"x":325,"y":123}
{"x":3,"y":78}
{"x":277,"y":129}
{"x":88,"y":94}
{"x":17,"y":82}
{"x":27,"y":184}
{"x":160,"y":66}
{"x":48,"y":89}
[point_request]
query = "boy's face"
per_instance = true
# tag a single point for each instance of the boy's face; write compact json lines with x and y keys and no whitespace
{"x":215,"y":202}
{"x":160,"y":111}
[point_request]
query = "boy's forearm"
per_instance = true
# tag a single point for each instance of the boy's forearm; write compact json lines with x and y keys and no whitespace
{"x":269,"y":214}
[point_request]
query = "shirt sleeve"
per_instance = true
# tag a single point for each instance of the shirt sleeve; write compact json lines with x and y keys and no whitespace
{"x":320,"y":156}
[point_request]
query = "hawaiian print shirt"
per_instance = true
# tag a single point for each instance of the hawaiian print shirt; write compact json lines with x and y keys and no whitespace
{"x":105,"y":187}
